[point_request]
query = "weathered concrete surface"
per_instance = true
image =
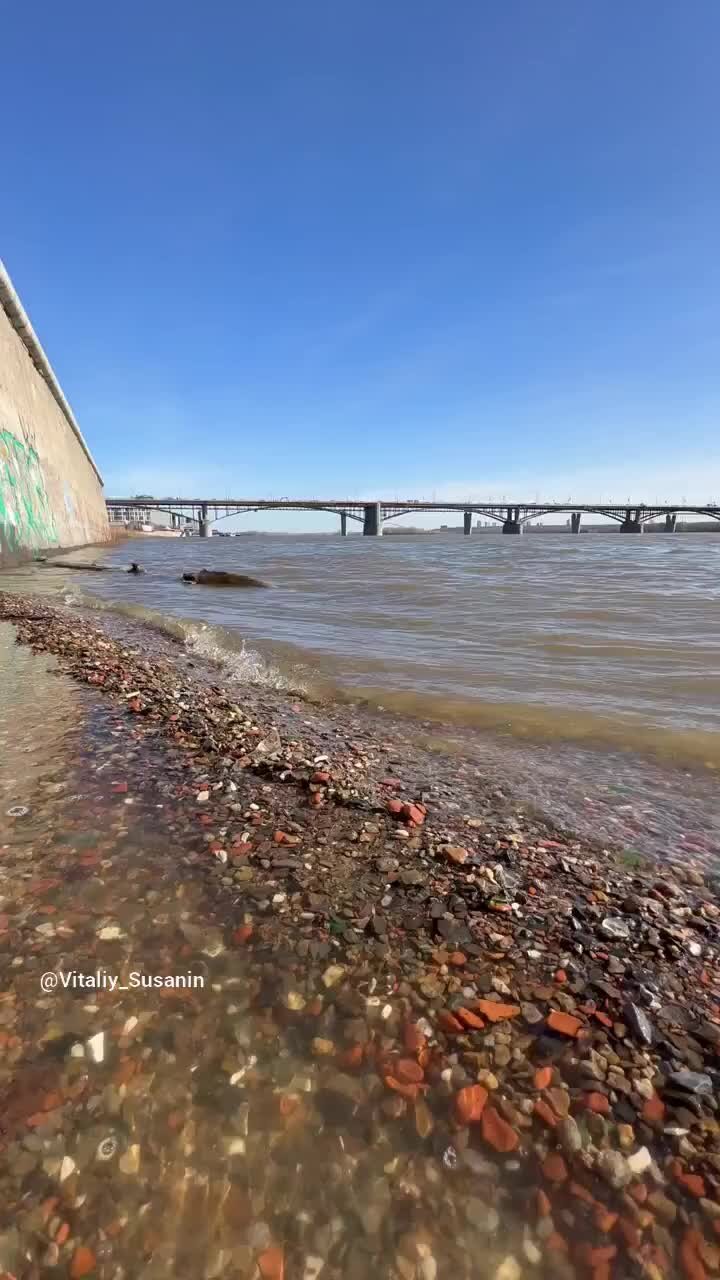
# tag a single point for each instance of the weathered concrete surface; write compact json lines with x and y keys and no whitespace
{"x":50,"y":490}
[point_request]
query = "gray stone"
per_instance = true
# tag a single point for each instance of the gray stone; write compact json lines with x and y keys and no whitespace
{"x":411,"y":877}
{"x":482,"y":1216}
{"x":615,"y":927}
{"x":639,"y":1162}
{"x":570,"y":1136}
{"x":531,"y":1013}
{"x":478,"y":1164}
{"x":258,"y":1236}
{"x":639,"y":1023}
{"x":709,"y":1032}
{"x":691,"y":1082}
{"x":340,"y":1097}
{"x":614,"y":1168}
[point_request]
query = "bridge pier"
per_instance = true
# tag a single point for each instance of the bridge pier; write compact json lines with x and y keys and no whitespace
{"x":373,"y":521}
{"x":512,"y":522}
{"x":467,"y":523}
{"x":670,"y":521}
{"x":203,"y":522}
{"x":575,"y":521}
{"x":631,"y":523}
{"x":343,"y":524}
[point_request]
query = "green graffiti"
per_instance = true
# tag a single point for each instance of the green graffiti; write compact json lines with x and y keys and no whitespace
{"x":26,"y":518}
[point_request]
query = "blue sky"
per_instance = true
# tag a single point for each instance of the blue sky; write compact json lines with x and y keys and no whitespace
{"x":356,"y":248}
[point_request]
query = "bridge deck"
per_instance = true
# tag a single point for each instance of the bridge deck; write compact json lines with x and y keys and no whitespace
{"x":409,"y":505}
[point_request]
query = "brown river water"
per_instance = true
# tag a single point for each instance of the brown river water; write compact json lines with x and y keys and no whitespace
{"x":583,"y":672}
{"x":604,"y":639}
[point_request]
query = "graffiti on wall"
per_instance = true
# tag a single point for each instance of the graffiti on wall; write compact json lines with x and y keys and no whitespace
{"x":26,"y":518}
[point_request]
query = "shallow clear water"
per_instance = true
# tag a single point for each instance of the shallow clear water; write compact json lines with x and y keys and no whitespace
{"x":195,"y":1132}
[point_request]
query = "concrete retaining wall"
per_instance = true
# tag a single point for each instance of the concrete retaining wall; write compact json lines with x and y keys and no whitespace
{"x":50,"y":489}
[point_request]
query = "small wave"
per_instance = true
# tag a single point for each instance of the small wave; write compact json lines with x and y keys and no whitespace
{"x":213,"y":644}
{"x":221,"y":646}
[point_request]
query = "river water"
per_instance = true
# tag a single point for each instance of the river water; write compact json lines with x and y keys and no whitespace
{"x":584,"y":671}
{"x":599,"y":638}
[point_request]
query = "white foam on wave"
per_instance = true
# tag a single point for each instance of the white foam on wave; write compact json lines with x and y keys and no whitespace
{"x":235,"y":656}
{"x":222,"y":646}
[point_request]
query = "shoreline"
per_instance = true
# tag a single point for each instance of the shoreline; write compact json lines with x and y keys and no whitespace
{"x":543,"y":993}
{"x":658,"y":801}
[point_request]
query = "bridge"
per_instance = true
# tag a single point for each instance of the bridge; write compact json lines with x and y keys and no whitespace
{"x":200,"y":513}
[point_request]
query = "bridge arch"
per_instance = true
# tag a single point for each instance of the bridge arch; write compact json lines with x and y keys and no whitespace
{"x":283,"y":506}
{"x":612,"y":513}
{"x":645,"y":515}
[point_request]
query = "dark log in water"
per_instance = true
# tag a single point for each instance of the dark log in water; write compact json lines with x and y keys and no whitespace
{"x":218,"y":578}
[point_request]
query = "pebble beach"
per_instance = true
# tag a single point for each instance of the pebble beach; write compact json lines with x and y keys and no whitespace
{"x":437,"y":1035}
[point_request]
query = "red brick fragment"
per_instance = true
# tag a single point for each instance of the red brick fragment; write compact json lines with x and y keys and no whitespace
{"x":653,"y":1111}
{"x":243,"y":934}
{"x":543,"y":1077}
{"x":598,"y":1103}
{"x":496,"y":1012}
{"x":554,"y":1168}
{"x":408,"y":1071}
{"x":693,"y":1183}
{"x":470,"y":1019}
{"x":470,"y":1103}
{"x":83,"y":1263}
{"x":414,"y":814}
{"x":497,"y":1132}
{"x":546,"y":1114}
{"x":690,"y":1259}
{"x":564,"y":1023}
{"x":271,"y":1263}
{"x":449,"y":1023}
{"x":409,"y":1091}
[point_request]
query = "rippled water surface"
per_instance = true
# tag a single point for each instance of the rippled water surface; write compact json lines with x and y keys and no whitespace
{"x":601,"y":637}
{"x":583,"y":673}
